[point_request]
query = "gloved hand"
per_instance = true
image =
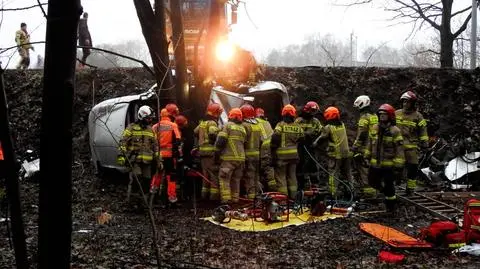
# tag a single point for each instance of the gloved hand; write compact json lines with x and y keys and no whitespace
{"x":160,"y":166}
{"x":121,"y":160}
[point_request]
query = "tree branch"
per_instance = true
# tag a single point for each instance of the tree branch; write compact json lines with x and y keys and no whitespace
{"x":420,"y":12}
{"x":426,"y":51}
{"x":41,"y":7}
{"x":461,"y":11}
{"x":24,"y":8}
{"x":463,"y":27}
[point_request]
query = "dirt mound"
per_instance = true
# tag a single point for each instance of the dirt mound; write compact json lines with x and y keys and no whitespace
{"x":450,"y":100}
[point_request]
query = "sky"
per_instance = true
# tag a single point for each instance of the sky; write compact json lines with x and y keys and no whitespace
{"x":270,"y":24}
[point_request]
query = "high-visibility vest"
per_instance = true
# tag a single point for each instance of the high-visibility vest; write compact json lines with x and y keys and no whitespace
{"x":413,"y":127}
{"x":385,"y":150}
{"x":204,"y":130}
{"x":337,"y":141}
{"x":289,"y":133}
{"x":265,"y":127}
{"x":254,"y":140}
{"x":140,"y":143}
{"x":166,"y":131}
{"x":235,"y":135}
{"x":365,"y":124}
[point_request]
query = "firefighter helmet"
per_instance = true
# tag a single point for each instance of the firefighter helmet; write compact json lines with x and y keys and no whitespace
{"x":259,"y":112}
{"x":181,"y":121}
{"x":248,"y":111}
{"x":409,"y":95}
{"x":331,"y":113}
{"x":289,"y":110}
{"x":214,"y":110}
{"x":164,"y":113}
{"x":145,"y":112}
{"x":361,"y":102}
{"x":389,"y":110}
{"x":311,"y":107}
{"x":235,"y":114}
{"x":172,"y":109}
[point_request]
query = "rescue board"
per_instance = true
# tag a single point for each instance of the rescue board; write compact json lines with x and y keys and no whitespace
{"x":393,"y":237}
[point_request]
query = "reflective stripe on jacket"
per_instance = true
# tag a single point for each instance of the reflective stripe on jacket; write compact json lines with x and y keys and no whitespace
{"x":365,"y":124}
{"x":290,"y":134}
{"x":167,"y":134}
{"x":139,"y":144}
{"x":204,"y":130}
{"x":265,"y":127}
{"x":385,"y":148}
{"x":413,"y":127}
{"x":265,"y":154}
{"x":311,"y":128}
{"x":230,"y":142}
{"x":337,"y":141}
{"x":254,"y":140}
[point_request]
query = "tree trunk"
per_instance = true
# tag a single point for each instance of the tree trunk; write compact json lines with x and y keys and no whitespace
{"x":153,"y":29}
{"x":213,"y":35}
{"x":181,"y":83}
{"x":446,"y":36}
{"x":55,"y":221}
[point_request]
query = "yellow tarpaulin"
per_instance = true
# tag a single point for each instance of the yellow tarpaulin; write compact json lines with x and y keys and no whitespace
{"x":251,"y":225}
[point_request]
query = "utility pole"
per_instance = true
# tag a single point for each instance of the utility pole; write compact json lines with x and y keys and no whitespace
{"x":55,"y":221}
{"x":473,"y":38}
{"x":181,"y":84}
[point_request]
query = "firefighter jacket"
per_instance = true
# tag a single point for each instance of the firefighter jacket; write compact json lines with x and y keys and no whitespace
{"x":285,"y":139}
{"x":336,"y":134}
{"x":22,"y":38}
{"x":365,"y":124}
{"x":311,"y":128}
{"x":413,"y":127}
{"x":139,"y":144}
{"x":230,"y":142}
{"x":207,"y":132}
{"x":169,"y":137}
{"x":385,"y":147}
{"x":265,"y":154}
{"x":254,"y":139}
{"x":265,"y":127}
{"x":1,"y":152}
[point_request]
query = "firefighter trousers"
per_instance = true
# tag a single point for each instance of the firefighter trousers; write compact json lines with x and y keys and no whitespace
{"x":362,"y":171}
{"x":308,"y":169}
{"x":210,"y":171}
{"x":286,"y":175}
{"x":339,"y":169}
{"x":229,"y":176}
{"x":251,"y":177}
{"x":383,"y":180}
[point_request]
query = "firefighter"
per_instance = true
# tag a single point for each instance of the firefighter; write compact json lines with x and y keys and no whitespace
{"x":206,"y":133}
{"x":254,"y":140}
{"x":365,"y":123}
{"x":414,"y":132}
{"x":312,"y":128}
{"x":267,"y":130}
{"x":169,"y":140}
{"x":231,"y":151}
{"x":385,"y":149}
{"x":139,"y":149}
{"x":181,"y":121}
{"x":172,"y":110}
{"x":22,"y":38}
{"x":338,"y":151}
{"x":84,"y":38}
{"x":284,"y":143}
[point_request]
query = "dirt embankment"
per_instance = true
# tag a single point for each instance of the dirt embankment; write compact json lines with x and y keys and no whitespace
{"x":450,"y":99}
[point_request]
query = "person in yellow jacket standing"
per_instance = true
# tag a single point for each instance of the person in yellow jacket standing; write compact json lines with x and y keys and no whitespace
{"x":206,"y":133}
{"x":386,"y":153}
{"x":230,"y":149}
{"x":284,"y":143}
{"x":22,"y":38}
{"x":267,"y":130}
{"x":365,"y":123}
{"x":338,"y":151}
{"x":139,"y":149}
{"x":414,"y":132}
{"x":312,"y":127}
{"x":253,"y":143}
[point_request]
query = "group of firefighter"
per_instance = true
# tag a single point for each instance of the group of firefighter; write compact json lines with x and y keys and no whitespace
{"x":246,"y":155}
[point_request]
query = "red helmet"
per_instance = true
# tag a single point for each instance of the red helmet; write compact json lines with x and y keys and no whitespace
{"x":181,"y":121}
{"x":331,"y":113}
{"x":389,"y":110}
{"x":289,"y":110}
{"x":248,"y":111}
{"x":236,"y":114}
{"x":409,"y":95}
{"x":214,"y":110}
{"x":259,"y":112}
{"x":311,"y":107}
{"x":172,"y":109}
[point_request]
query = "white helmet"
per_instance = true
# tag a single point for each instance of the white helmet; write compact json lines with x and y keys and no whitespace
{"x":144,"y":112}
{"x":362,"y":101}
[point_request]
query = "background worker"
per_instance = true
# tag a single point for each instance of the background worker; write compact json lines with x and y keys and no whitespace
{"x":365,"y":123}
{"x":230,"y":150}
{"x":169,"y":140}
{"x":414,"y":132}
{"x":312,"y":128}
{"x":338,"y":152}
{"x":84,"y":38}
{"x":139,"y":149}
{"x":284,"y":143}
{"x":22,"y":38}
{"x":206,"y":133}
{"x":386,"y":154}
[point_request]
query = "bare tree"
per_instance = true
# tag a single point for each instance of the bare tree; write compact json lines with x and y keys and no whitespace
{"x":436,"y":14}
